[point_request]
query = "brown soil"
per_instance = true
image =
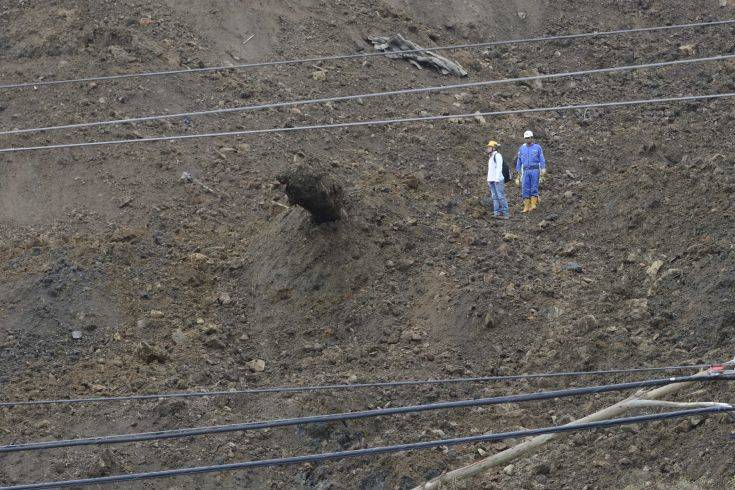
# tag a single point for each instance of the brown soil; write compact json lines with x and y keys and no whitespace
{"x":110,"y":242}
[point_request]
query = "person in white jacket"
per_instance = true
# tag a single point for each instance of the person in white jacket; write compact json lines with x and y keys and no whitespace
{"x":496,"y":181}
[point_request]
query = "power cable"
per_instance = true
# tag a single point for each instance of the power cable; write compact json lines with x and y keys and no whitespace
{"x":192,"y":71}
{"x":382,"y":412}
{"x":379,"y":122}
{"x":345,"y":98}
{"x":339,"y":387}
{"x":375,"y":451}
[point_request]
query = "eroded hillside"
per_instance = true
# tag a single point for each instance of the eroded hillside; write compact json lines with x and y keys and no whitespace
{"x":119,"y":277}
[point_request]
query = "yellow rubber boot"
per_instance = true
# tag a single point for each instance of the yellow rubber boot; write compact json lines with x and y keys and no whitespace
{"x":526,"y":205}
{"x":534,"y":203}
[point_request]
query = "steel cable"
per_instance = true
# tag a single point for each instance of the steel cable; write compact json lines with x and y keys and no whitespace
{"x":346,"y":98}
{"x":379,"y":122}
{"x":354,"y":386}
{"x":383,"y":412}
{"x":315,"y":458}
{"x":42,"y":83}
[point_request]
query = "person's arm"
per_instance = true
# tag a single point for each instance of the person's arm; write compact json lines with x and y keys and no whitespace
{"x":518,"y":162}
{"x":542,"y":160}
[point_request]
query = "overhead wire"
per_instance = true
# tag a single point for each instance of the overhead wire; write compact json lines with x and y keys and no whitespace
{"x":346,"y":98}
{"x":375,"y":451}
{"x":318,"y":59}
{"x":353,"y":386}
{"x":378,"y":122}
{"x":364,"y":414}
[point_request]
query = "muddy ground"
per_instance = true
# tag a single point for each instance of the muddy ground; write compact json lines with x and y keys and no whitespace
{"x":172,"y":285}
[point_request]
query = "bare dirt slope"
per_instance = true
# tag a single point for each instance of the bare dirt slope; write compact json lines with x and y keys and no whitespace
{"x":174,"y":287}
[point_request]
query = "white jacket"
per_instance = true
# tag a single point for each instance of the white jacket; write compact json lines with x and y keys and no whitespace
{"x":495,"y":168}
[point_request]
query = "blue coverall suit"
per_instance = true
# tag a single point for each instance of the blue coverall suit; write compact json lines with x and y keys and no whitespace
{"x":531,"y":161}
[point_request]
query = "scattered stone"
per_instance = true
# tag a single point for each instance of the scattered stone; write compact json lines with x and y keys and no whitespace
{"x":696,"y":421}
{"x":534,"y":84}
{"x":405,"y":264}
{"x":256,"y":365}
{"x":198,"y":258}
{"x":186,"y":177}
{"x":652,"y":271}
{"x":573,"y":267}
{"x":569,"y":195}
{"x":438,"y":433}
{"x":510,"y":237}
{"x":690,"y":424}
{"x":150,"y":354}
{"x":571,"y":249}
{"x":315,"y":348}
{"x":224,"y":299}
{"x":509,"y":470}
{"x":215,"y":343}
{"x":76,"y":335}
{"x":412,"y":182}
{"x":553,"y":313}
{"x":489,"y":320}
{"x":179,"y":337}
{"x":319,"y":76}
{"x":688,"y":49}
{"x":588,"y":323}
{"x":411,"y":336}
{"x":454,"y":204}
{"x":480,"y":118}
{"x":637,"y":308}
{"x":157,"y":314}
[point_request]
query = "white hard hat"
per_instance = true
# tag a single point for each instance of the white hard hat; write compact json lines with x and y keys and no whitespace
{"x":528,"y":134}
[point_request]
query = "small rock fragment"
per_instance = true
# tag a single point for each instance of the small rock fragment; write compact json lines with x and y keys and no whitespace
{"x":652,"y":271}
{"x":256,"y":365}
{"x":179,"y":337}
{"x":149,"y":353}
{"x":573,"y":267}
{"x":688,"y":49}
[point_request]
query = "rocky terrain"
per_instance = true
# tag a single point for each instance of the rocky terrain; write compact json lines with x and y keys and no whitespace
{"x":120,"y":277}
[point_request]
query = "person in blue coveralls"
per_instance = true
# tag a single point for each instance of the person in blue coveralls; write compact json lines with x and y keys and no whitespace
{"x":530,"y":166}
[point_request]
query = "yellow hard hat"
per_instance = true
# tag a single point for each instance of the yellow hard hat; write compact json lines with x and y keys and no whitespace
{"x":493,"y":143}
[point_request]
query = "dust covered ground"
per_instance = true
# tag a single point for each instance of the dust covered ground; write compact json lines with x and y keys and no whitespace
{"x":179,"y":286}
